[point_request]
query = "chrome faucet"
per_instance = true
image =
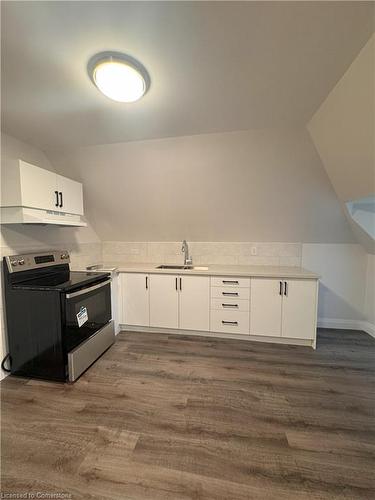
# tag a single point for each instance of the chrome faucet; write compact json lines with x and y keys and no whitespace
{"x":188,"y":260}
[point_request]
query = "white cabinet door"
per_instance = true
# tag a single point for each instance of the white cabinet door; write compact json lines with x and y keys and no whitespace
{"x":70,"y":195}
{"x":265,"y":307}
{"x":164,"y":291}
{"x":299,"y":309}
{"x":194,"y":302}
{"x":38,"y":187}
{"x":135,"y":299}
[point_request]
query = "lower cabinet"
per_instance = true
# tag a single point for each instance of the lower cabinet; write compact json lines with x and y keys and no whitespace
{"x":166,"y":301}
{"x":194,"y":306}
{"x":283,"y":308}
{"x":269,"y":307}
{"x":230,"y":305}
{"x":164,"y":290}
{"x":265,"y":307}
{"x":135,"y":299}
{"x":299,"y":309}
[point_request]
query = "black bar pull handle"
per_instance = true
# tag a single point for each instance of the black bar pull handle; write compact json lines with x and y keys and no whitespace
{"x":281,"y":288}
{"x":230,"y":294}
{"x":61,"y":199}
{"x":230,"y":305}
{"x":146,"y":282}
{"x":286,"y":288}
{"x":176,"y":284}
{"x":231,"y":282}
{"x":57,"y":198}
{"x":232,"y":323}
{"x":181,"y":284}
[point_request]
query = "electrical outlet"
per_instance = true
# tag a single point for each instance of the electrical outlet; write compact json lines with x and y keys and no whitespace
{"x":254,"y":251}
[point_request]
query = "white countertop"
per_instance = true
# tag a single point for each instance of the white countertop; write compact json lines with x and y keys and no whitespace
{"x":219,"y":270}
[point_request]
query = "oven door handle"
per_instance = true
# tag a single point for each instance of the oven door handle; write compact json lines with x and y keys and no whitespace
{"x":87,"y":290}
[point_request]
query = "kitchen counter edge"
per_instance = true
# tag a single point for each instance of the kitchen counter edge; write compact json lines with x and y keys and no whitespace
{"x":221,"y":270}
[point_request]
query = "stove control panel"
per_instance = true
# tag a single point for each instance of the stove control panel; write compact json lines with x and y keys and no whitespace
{"x":29,"y":261}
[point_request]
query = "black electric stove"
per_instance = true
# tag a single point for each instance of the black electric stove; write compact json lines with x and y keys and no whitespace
{"x":58,"y":321}
{"x":64,"y":280}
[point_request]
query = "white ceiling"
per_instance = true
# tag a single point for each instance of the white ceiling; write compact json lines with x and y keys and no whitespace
{"x":214,"y":66}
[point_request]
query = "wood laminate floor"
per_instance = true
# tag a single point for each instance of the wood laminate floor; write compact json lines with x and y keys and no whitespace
{"x":178,"y":417}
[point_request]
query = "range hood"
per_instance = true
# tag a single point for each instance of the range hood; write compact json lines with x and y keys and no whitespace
{"x":34,"y":195}
{"x":24,"y":215}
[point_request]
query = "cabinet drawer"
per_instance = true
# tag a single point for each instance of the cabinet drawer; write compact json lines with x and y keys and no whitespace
{"x":230,"y":322}
{"x":229,"y":304}
{"x":230,"y":292}
{"x":229,"y":281}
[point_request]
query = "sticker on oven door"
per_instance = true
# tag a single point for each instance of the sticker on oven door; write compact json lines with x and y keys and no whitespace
{"x":82,"y":316}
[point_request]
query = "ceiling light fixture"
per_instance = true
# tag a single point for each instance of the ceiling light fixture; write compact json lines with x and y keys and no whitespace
{"x":118,"y":76}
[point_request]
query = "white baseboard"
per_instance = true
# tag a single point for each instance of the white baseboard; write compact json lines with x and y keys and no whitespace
{"x":218,"y":335}
{"x":368,"y":328}
{"x":347,"y":324}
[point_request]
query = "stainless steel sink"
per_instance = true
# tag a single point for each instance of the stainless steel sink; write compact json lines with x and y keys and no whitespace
{"x":176,"y":266}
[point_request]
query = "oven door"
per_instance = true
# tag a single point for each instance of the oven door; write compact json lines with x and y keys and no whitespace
{"x":86,"y":311}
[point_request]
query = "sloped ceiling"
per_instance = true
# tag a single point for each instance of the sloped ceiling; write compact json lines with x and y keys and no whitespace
{"x":256,"y":185}
{"x":215,"y":66}
{"x":343,"y":131}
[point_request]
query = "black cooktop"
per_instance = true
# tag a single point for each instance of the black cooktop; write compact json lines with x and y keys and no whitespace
{"x":61,"y":281}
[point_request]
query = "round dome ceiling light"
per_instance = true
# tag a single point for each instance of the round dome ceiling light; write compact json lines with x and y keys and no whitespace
{"x":118,"y":76}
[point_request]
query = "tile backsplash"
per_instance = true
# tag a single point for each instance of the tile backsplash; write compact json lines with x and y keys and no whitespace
{"x":81,"y":255}
{"x":232,"y":253}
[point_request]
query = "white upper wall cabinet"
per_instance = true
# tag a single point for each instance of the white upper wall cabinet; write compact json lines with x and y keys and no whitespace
{"x":70,"y":194}
{"x":38,"y":187}
{"x":31,"y":194}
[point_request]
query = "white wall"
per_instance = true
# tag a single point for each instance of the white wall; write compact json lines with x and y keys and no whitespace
{"x":257,"y":185}
{"x":83,"y":243}
{"x":343,"y":277}
{"x":343,"y":131}
{"x":222,"y":192}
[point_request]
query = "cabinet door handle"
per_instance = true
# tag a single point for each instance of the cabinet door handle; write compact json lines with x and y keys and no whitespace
{"x":146,"y":282}
{"x":181,"y":284}
{"x":232,"y":323}
{"x":61,"y":199}
{"x":231,"y":282}
{"x":286,"y":288}
{"x":57,"y":198}
{"x":176,"y":284}
{"x":230,"y":294}
{"x":281,"y":288}
{"x":230,"y":305}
